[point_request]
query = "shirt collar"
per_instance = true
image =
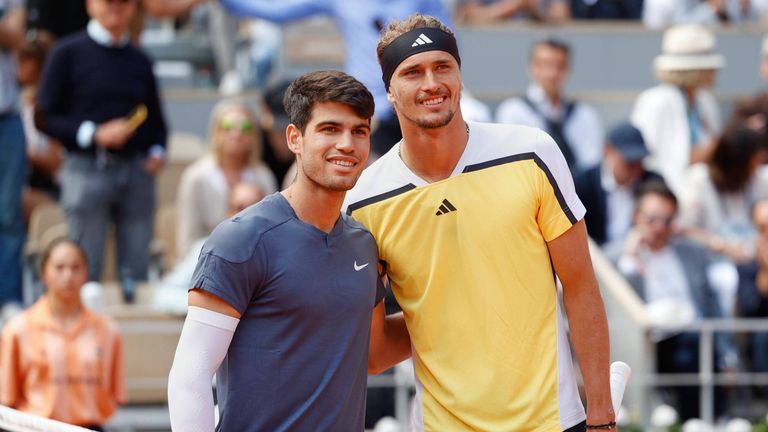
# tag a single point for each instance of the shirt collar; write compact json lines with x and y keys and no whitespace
{"x":536,"y":95}
{"x":103,"y":37}
{"x":40,"y":313}
{"x":606,"y":177}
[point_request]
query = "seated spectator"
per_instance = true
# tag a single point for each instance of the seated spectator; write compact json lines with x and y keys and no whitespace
{"x":575,"y":126}
{"x":719,"y":194}
{"x":669,"y":273}
{"x":607,"y":9}
{"x":680,"y":118}
{"x":44,"y":154}
{"x":489,"y":11}
{"x":273,"y":121}
{"x":658,"y":14}
{"x":170,"y":294}
{"x":753,"y":289}
{"x":608,"y":189}
{"x":235,"y":157}
{"x":58,"y":359}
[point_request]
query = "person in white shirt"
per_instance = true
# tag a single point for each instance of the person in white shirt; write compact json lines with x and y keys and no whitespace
{"x":575,"y":126}
{"x":680,"y":118}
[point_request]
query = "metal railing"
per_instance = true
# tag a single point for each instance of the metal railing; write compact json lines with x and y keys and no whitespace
{"x":633,"y":341}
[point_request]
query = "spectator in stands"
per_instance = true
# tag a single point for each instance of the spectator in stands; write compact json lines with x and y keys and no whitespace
{"x":764,"y":60}
{"x":98,"y":96}
{"x":719,"y":194}
{"x":753,"y":289}
{"x":58,"y":359}
{"x":235,"y":157}
{"x":669,"y":273}
{"x":170,"y":294}
{"x":679,"y":118}
{"x":360,"y":23}
{"x":489,"y":11}
{"x":608,"y":188}
{"x":13,"y":161}
{"x":658,"y":14}
{"x":273,"y":121}
{"x":607,"y":9}
{"x":63,"y":17}
{"x":45,"y":155}
{"x":575,"y":126}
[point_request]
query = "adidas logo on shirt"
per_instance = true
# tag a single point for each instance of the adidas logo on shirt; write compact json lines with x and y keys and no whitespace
{"x":445,"y":207}
{"x":421,"y":40}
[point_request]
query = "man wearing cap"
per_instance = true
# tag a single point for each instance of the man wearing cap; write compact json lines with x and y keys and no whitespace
{"x":679,"y":118}
{"x":607,"y":190}
{"x":471,"y":220}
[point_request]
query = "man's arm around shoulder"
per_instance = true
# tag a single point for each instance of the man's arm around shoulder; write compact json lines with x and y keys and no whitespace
{"x":586,"y":318}
{"x":390,"y":343}
{"x":204,"y":341}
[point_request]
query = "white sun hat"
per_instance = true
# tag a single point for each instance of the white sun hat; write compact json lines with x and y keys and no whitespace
{"x":688,"y":47}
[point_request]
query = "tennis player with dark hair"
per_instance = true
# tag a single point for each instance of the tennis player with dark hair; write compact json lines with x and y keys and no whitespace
{"x":286,"y":293}
{"x":472,"y":221}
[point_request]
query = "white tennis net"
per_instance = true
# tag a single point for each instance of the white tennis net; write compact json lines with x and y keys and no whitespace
{"x":12,"y":420}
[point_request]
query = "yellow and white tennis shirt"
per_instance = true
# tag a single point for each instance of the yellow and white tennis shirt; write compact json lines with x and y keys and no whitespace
{"x":468,"y":261}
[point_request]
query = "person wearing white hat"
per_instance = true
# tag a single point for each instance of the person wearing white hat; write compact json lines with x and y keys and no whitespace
{"x":679,"y":118}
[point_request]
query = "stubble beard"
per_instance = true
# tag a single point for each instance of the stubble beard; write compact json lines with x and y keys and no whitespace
{"x":435,"y":123}
{"x":317,"y":178}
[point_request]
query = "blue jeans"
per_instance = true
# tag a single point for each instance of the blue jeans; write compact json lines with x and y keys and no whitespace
{"x":13,"y":175}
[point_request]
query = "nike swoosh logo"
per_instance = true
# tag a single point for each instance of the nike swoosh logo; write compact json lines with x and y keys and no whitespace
{"x":358,"y":268}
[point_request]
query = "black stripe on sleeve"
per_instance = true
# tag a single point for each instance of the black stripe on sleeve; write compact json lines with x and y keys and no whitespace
{"x":556,"y":188}
{"x":500,"y":161}
{"x":381,"y":197}
{"x":540,"y":163}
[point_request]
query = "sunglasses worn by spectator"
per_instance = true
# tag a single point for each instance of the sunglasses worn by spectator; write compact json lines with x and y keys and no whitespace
{"x":241,"y":126}
{"x":658,"y":219}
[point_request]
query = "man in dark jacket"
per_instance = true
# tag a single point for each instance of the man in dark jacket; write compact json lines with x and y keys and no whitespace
{"x":99,"y":98}
{"x":607,"y":190}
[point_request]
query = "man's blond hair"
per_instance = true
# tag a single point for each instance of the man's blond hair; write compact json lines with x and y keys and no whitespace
{"x":396,"y":28}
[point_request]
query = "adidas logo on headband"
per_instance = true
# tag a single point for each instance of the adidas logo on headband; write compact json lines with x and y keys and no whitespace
{"x":421,"y":40}
{"x":413,"y":42}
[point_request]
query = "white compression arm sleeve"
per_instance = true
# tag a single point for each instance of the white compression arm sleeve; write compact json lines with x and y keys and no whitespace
{"x":204,"y":341}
